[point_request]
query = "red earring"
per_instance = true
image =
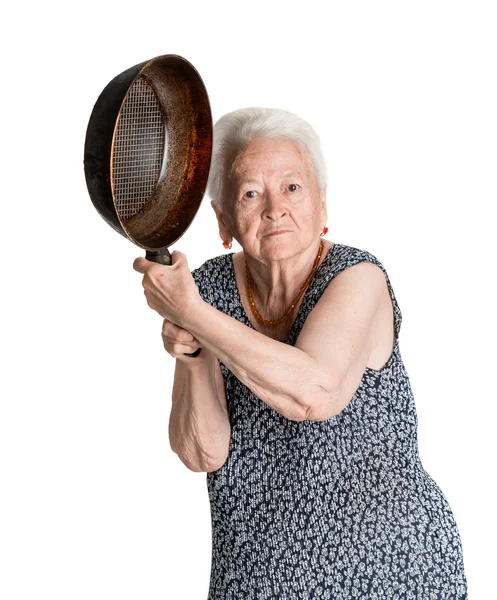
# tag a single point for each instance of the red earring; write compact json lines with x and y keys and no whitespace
{"x":325,"y":231}
{"x":227,"y":245}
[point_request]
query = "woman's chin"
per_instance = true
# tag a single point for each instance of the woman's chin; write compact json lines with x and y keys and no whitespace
{"x":283,"y":248}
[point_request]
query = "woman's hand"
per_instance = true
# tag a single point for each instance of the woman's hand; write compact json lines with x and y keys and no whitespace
{"x":178,"y":342}
{"x":170,"y":290}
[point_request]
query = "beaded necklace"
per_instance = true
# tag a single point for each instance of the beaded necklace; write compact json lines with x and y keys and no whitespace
{"x":287,"y":315}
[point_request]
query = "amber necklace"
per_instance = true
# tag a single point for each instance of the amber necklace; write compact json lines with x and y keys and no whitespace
{"x":288,"y":313}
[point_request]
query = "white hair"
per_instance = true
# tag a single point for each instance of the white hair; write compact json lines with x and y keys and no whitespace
{"x":235,"y":130}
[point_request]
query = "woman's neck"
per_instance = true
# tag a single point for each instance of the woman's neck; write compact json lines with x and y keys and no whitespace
{"x":276,"y":285}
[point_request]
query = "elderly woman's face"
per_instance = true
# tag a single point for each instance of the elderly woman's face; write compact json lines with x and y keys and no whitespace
{"x":273,"y":188}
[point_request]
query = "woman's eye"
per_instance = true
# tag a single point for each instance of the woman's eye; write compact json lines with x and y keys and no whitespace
{"x":293,"y":187}
{"x":250,"y":194}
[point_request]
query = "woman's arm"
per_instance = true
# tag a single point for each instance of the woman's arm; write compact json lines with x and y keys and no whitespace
{"x":281,"y":375}
{"x":199,"y":427}
{"x":315,"y":379}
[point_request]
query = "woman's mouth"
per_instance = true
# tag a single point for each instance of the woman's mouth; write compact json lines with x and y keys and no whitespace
{"x":279,"y":232}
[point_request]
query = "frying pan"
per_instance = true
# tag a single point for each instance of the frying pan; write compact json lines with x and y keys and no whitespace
{"x":147,"y":153}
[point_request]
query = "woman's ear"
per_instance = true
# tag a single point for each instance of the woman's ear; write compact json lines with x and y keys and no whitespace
{"x":324,"y":210}
{"x":224,"y":231}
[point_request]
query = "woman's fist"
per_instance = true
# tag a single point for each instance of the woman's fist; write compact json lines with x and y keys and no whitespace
{"x":170,"y":290}
{"x":178,"y":342}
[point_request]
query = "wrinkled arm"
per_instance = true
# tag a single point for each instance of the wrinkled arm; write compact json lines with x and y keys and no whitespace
{"x":199,"y":427}
{"x":315,"y":379}
{"x":283,"y":376}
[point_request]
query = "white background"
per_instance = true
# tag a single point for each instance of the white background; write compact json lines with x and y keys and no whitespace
{"x":94,"y":504}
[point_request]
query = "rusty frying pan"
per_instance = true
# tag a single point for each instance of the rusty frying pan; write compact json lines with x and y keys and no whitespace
{"x":147,"y":153}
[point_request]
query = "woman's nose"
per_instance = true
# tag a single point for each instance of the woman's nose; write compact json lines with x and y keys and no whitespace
{"x":275,"y":205}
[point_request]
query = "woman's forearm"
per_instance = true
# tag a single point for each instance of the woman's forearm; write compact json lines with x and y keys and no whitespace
{"x":199,"y":427}
{"x":286,"y":378}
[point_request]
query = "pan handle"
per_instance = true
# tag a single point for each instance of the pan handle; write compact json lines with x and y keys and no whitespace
{"x":163,"y":257}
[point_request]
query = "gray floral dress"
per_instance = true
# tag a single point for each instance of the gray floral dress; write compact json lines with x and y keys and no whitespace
{"x":341,"y":508}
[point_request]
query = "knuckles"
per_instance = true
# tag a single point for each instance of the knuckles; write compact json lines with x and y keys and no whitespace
{"x":175,"y":333}
{"x":184,"y":336}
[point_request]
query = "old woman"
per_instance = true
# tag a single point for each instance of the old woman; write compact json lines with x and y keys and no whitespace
{"x":298,"y":405}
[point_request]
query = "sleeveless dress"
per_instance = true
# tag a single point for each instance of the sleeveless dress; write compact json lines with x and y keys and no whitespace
{"x":341,"y":508}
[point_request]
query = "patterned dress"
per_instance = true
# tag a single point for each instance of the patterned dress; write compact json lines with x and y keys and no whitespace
{"x":341,"y":508}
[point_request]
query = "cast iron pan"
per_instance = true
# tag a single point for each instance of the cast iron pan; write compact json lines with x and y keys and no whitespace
{"x":147,"y":153}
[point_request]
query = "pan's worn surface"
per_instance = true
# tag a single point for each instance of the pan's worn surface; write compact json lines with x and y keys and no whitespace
{"x":148,"y":150}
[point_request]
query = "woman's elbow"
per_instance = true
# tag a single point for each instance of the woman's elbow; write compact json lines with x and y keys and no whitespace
{"x":205,"y":467}
{"x":321,"y":403}
{"x":215,"y":466}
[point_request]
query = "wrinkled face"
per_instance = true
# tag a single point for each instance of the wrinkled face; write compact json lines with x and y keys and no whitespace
{"x":273,"y":188}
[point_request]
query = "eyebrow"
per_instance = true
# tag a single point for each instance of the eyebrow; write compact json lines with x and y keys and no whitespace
{"x":240,"y":180}
{"x":246,"y":181}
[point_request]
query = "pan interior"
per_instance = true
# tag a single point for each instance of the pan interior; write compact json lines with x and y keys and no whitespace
{"x":167,"y":140}
{"x":139,"y":149}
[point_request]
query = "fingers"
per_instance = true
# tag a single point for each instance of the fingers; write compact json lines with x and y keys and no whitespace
{"x":144,"y":266}
{"x":178,"y":341}
{"x":176,"y":333}
{"x":178,"y":257}
{"x":179,"y":350}
{"x":140,"y":264}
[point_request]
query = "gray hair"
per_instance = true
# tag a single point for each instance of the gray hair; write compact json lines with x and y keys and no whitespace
{"x":235,"y":130}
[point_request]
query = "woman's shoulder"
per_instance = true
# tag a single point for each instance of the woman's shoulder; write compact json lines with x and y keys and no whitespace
{"x":341,"y":256}
{"x":344,"y":256}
